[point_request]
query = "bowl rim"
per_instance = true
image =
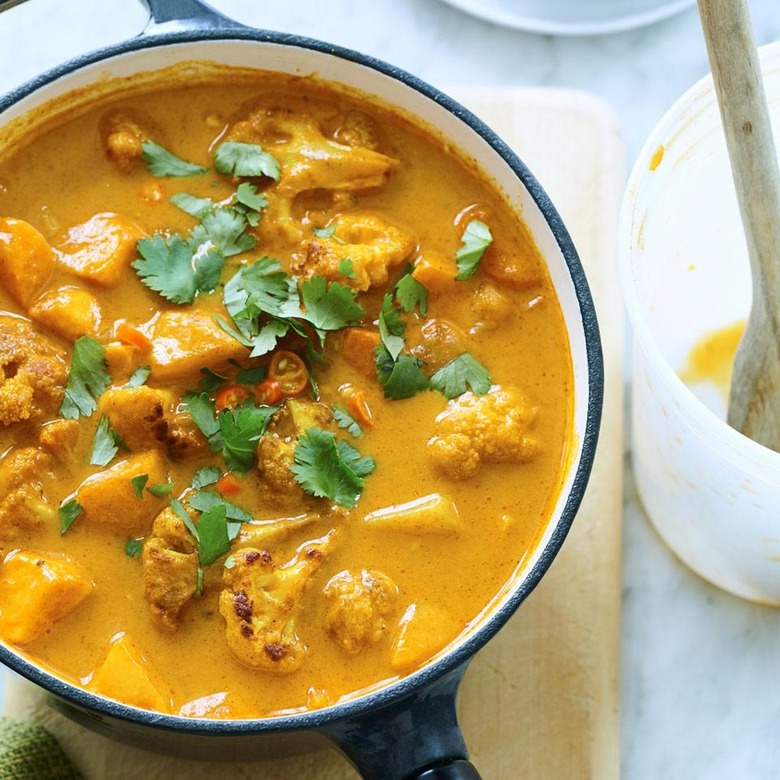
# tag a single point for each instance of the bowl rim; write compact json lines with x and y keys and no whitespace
{"x":461,"y":654}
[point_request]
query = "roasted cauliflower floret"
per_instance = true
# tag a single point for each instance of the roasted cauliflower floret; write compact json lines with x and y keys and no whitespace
{"x":144,"y":417}
{"x":170,"y":565}
{"x":23,"y":502}
{"x":60,"y":437}
{"x":476,"y":429}
{"x":309,"y":160}
{"x":374,"y":247}
{"x":123,"y":140}
{"x":32,"y":374}
{"x":260,"y":603}
{"x":276,"y":450}
{"x":359,"y":604}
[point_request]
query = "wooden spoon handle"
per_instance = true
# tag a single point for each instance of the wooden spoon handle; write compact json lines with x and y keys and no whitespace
{"x":754,"y":400}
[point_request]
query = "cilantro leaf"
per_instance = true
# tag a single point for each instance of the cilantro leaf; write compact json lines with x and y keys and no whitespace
{"x":204,"y":500}
{"x":476,"y":239}
{"x":329,"y":468}
{"x":104,"y":445}
{"x":213,"y":538}
{"x":201,"y":409}
{"x":139,"y":376}
{"x":463,"y":373}
{"x":251,"y":376}
{"x":68,"y":513}
{"x":402,"y":377}
{"x":391,"y":327}
{"x":324,"y":232}
{"x":208,"y":475}
{"x":139,"y":482}
{"x":410,"y":293}
{"x":211,"y":380}
{"x":161,"y":162}
{"x":87,"y":379}
{"x":329,"y":306}
{"x":345,"y":420}
{"x":161,"y":489}
{"x":265,"y":341}
{"x":208,"y":267}
{"x":134,"y":548}
{"x":166,"y":267}
{"x":239,"y":159}
{"x":241,"y":429}
{"x":261,"y":288}
{"x":247,"y":195}
{"x":347,"y":268}
{"x":195,"y":207}
{"x":185,"y":517}
{"x":226,"y":228}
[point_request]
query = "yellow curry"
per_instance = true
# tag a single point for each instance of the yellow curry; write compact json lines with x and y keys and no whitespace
{"x":285,"y":396}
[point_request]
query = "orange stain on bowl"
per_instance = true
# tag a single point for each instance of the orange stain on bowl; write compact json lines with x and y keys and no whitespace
{"x":656,"y":159}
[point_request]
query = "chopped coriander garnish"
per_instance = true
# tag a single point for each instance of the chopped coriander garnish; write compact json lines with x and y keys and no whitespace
{"x":347,"y":268}
{"x":225,"y":228}
{"x":461,"y":374}
{"x":410,"y":293}
{"x":213,"y":539}
{"x":211,"y":380}
{"x":476,"y":239}
{"x":248,"y":196}
{"x":400,"y":378}
{"x":391,"y":327}
{"x":161,"y":489}
{"x":105,"y":445}
{"x":134,"y":548}
{"x":161,"y":162}
{"x":329,"y":306}
{"x":87,"y":380}
{"x":68,"y":513}
{"x":324,"y":232}
{"x":239,"y":159}
{"x":345,"y":420}
{"x":328,"y":467}
{"x":185,"y":517}
{"x":201,"y":409}
{"x":139,"y":376}
{"x":206,"y":476}
{"x":203,"y":500}
{"x":195,"y":207}
{"x":251,"y":376}
{"x":139,"y":482}
{"x":230,"y":562}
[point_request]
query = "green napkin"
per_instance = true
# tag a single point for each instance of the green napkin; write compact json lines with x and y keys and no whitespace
{"x":29,"y":752}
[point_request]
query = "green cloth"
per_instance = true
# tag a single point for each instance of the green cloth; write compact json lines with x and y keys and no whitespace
{"x":29,"y":752}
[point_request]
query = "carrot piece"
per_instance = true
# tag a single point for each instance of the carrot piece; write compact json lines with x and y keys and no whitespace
{"x":357,"y":406}
{"x":228,"y":485}
{"x":130,"y":334}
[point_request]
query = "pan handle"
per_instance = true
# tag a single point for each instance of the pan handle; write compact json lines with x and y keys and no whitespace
{"x":169,"y":15}
{"x":415,"y":738}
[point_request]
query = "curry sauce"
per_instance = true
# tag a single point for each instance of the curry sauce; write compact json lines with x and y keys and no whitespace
{"x":286,"y":396}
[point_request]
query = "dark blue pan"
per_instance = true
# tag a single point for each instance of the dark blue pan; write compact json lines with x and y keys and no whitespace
{"x":409,"y":729}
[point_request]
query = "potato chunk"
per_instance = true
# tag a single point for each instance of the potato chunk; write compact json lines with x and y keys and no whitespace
{"x":125,"y":676}
{"x":36,"y":591}
{"x":100,"y":249}
{"x":422,"y":632}
{"x":69,"y":312}
{"x":432,"y":514}
{"x":26,"y":260}
{"x":184,"y":342}
{"x":108,"y":497}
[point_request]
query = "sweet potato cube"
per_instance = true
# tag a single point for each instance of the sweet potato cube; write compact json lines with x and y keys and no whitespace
{"x":108,"y":497}
{"x":125,"y":676}
{"x":36,"y":591}
{"x":422,"y":632}
{"x":435,"y":272}
{"x":100,"y":249}
{"x":26,"y":260}
{"x":69,"y":312}
{"x":431,"y":514}
{"x":184,"y":342}
{"x":358,"y":350}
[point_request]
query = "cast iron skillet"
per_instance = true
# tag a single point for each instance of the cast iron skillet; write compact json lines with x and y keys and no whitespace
{"x":408,"y":730}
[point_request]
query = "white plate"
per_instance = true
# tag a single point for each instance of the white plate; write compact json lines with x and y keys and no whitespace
{"x":572,"y":17}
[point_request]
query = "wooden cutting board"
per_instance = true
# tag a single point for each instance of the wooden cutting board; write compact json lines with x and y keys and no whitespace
{"x":541,"y":700}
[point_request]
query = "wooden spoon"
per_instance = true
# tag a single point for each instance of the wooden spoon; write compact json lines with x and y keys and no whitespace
{"x":754,"y":400}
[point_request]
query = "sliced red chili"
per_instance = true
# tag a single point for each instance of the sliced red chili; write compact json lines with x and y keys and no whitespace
{"x":268,"y":392}
{"x":230,"y":396}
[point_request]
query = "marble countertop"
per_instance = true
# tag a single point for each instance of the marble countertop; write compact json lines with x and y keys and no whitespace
{"x":697,"y":696}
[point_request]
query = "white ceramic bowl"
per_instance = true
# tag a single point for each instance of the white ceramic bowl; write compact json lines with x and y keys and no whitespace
{"x":712,"y":493}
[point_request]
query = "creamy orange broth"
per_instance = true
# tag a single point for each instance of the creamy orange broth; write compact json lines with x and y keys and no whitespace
{"x":64,"y":176}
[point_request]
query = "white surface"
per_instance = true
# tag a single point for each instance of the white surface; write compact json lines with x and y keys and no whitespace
{"x":699,"y":666}
{"x":686,"y":275}
{"x":572,"y":17}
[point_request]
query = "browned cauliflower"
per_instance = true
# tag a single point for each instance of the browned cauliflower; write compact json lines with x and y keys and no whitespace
{"x":60,"y":437}
{"x":372,"y":245}
{"x":359,"y":604}
{"x":144,"y":417}
{"x":260,"y":603}
{"x":32,"y":374}
{"x":123,"y":139}
{"x":170,"y":566}
{"x":23,"y":502}
{"x":276,"y":450}
{"x":475,"y":429}
{"x":310,"y":160}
